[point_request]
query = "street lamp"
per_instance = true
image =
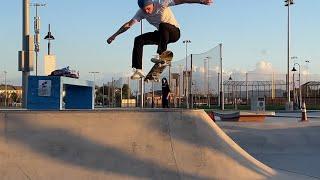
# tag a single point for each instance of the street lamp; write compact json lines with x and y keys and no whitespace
{"x":294,"y":70}
{"x":187,"y":83}
{"x":288,"y":3}
{"x":49,"y":37}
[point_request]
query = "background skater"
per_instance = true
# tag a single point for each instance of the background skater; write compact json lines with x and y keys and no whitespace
{"x":165,"y":93}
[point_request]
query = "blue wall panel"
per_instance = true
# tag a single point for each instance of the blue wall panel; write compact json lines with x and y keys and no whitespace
{"x":45,"y":93}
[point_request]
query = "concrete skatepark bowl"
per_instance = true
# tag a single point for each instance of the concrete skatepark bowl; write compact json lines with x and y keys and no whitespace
{"x":123,"y":144}
{"x":280,"y":142}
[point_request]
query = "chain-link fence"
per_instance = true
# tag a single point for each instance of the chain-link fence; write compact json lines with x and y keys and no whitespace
{"x":195,"y":80}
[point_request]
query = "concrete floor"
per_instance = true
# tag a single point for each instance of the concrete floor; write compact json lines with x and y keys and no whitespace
{"x":125,"y":144}
{"x":281,"y":142}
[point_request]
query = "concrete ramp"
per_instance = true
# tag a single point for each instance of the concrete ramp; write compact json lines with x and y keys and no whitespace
{"x":122,"y":144}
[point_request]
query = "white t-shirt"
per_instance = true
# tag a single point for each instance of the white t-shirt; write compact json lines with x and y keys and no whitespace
{"x":161,"y":14}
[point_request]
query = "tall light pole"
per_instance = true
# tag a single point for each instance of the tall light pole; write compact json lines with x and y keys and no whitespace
{"x":25,"y":55}
{"x":37,"y":32}
{"x":141,"y":81}
{"x":307,"y":68}
{"x":6,"y":88}
{"x":94,"y":82}
{"x":181,"y":75}
{"x":294,"y":69}
{"x":221,"y":79}
{"x":288,"y":3}
{"x":187,"y":83}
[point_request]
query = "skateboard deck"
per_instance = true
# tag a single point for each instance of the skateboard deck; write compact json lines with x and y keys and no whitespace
{"x":159,"y":67}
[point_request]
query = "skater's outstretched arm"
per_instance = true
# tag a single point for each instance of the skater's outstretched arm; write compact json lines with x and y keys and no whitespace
{"x":123,"y":29}
{"x":206,"y":2}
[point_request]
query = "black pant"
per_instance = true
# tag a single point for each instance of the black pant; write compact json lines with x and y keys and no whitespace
{"x":165,"y":102}
{"x":166,"y":34}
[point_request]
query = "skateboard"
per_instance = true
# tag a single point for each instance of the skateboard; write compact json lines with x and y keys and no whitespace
{"x":159,"y":67}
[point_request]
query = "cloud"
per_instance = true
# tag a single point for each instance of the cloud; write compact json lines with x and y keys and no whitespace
{"x":263,"y":67}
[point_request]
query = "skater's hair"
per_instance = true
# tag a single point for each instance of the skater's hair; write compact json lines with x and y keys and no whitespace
{"x":144,"y":3}
{"x":164,"y":81}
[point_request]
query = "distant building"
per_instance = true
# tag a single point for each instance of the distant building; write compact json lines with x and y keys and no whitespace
{"x":14,"y":94}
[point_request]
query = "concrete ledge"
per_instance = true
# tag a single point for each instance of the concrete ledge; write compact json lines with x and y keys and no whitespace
{"x":244,"y":116}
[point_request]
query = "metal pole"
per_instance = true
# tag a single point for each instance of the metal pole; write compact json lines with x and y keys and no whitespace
{"x":221,"y":79}
{"x":300,"y":94}
{"x":109,"y":95}
{"x":169,"y":80}
{"x":288,"y":58}
{"x":112,"y":91}
{"x":289,"y":3}
{"x":208,"y":91}
{"x":247,"y":93}
{"x":186,"y":90}
{"x":25,"y":48}
{"x":94,"y":82}
{"x":142,"y":92}
{"x":6,"y":88}
{"x":152,"y":100}
{"x":113,"y":94}
{"x":293,"y":88}
{"x":307,"y":68}
{"x":187,"y":83}
{"x":37,"y":33}
{"x":218,"y":89}
{"x":128,"y":92}
{"x":49,"y":44}
{"x":191,"y":95}
{"x":141,"y":80}
{"x":103,"y":95}
{"x":181,"y":73}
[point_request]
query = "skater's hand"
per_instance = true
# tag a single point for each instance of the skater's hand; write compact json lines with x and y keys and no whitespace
{"x":111,"y":39}
{"x":206,"y":2}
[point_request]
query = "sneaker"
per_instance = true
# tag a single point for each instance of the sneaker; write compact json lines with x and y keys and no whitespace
{"x":140,"y":72}
{"x":137,"y":74}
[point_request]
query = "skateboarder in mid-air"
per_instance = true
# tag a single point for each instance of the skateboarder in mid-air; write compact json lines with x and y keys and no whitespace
{"x":158,"y":14}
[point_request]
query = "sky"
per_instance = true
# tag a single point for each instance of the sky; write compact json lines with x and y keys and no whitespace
{"x":253,"y":33}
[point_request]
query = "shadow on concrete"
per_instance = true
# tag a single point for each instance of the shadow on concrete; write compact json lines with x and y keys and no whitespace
{"x":185,"y":129}
{"x":62,"y":145}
